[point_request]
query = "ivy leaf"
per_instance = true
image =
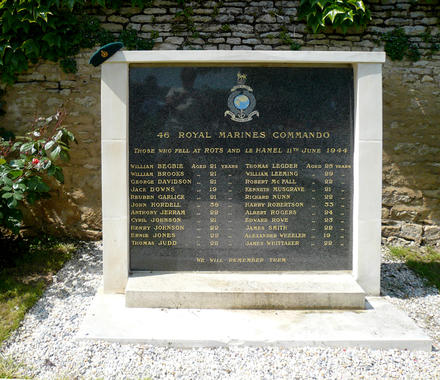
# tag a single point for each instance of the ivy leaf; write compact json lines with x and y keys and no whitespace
{"x":44,"y":15}
{"x":70,"y":4}
{"x":332,"y":13}
{"x":30,"y":47}
{"x":7,"y":195}
{"x":360,"y":5}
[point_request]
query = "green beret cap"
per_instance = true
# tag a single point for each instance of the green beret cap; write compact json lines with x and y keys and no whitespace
{"x":105,"y":53}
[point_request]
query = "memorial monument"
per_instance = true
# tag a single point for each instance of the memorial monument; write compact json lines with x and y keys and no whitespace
{"x":225,"y":162}
{"x":249,"y":181}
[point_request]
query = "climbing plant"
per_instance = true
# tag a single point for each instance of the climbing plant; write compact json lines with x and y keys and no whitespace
{"x":336,"y":13}
{"x":398,"y":45}
{"x":54,"y":30}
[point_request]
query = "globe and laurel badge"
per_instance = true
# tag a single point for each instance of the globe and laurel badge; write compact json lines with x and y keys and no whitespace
{"x":241,"y":101}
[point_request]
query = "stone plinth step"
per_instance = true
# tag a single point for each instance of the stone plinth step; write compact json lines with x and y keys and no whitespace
{"x":379,"y":326}
{"x":201,"y":290}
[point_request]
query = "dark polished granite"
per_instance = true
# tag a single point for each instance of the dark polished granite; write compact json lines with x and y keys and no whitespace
{"x":249,"y":172}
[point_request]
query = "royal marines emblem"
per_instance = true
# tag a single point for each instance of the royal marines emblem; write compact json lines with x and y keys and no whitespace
{"x":241,"y":101}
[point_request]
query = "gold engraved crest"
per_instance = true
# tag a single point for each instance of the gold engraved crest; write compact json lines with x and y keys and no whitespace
{"x":241,"y":101}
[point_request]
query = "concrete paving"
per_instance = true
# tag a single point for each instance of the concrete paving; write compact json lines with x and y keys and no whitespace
{"x":380,"y":326}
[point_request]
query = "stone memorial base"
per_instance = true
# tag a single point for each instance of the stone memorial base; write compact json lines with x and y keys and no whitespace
{"x":379,"y":326}
{"x":239,"y":290}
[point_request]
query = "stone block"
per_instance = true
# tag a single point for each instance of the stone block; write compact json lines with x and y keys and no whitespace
{"x":165,"y":46}
{"x":233,"y":41}
{"x":231,"y":11}
{"x":174,"y":40}
{"x":241,"y":47}
{"x":223,"y":18}
{"x":414,"y":30}
{"x":118,"y":19}
{"x":263,"y":47}
{"x":141,"y":18}
{"x":267,"y":19}
{"x":392,"y":230}
{"x":112,"y":27}
{"x":129,"y":11}
{"x":243,"y":28}
{"x":431,"y":235}
{"x":154,"y":11}
{"x":411,"y":232}
{"x":251,"y":41}
{"x":164,"y":18}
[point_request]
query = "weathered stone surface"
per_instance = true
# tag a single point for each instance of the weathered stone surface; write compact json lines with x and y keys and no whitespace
{"x":431,"y":235}
{"x":392,"y":230}
{"x":141,"y":18}
{"x":174,"y":40}
{"x":112,"y":27}
{"x":154,"y":11}
{"x":411,"y":232}
{"x":267,"y":19}
{"x":118,"y":19}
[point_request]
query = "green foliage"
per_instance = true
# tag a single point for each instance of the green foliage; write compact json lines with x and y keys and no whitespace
{"x":433,"y":40}
{"x":336,"y":13}
{"x":424,"y":262}
{"x":26,"y":162}
{"x":184,"y":16}
{"x":50,"y":29}
{"x":398,"y":46}
{"x":131,"y":40}
{"x":286,"y":39}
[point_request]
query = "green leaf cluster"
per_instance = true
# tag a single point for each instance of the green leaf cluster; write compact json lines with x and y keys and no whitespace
{"x":25,"y":164}
{"x":398,"y":46}
{"x":286,"y":39}
{"x":336,"y":13}
{"x":49,"y":29}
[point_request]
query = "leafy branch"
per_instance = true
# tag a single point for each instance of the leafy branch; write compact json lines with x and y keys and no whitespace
{"x":49,"y":29}
{"x":27,"y":161}
{"x":336,"y":13}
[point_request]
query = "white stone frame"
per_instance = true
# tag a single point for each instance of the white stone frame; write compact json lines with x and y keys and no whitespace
{"x":367,"y":171}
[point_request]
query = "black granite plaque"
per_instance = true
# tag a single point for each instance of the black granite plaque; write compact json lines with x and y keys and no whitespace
{"x":240,"y":168}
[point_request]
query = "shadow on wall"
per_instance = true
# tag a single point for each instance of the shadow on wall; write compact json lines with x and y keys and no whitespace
{"x":74,"y":208}
{"x":411,"y":142}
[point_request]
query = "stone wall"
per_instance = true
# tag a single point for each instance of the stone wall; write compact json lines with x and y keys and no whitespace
{"x":411,"y":192}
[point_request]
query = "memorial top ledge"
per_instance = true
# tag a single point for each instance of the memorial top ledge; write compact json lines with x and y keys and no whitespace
{"x":246,"y":57}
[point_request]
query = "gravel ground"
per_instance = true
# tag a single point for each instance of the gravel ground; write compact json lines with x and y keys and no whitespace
{"x":46,"y":346}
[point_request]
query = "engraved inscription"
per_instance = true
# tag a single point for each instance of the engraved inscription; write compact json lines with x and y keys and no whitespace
{"x":271,"y":193}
